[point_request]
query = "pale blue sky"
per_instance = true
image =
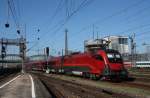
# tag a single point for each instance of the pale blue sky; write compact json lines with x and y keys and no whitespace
{"x":110,"y":17}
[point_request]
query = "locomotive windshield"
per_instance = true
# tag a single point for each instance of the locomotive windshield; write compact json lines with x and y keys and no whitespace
{"x":114,"y":57}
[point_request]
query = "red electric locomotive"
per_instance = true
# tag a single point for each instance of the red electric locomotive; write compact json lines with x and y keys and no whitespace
{"x":102,"y":63}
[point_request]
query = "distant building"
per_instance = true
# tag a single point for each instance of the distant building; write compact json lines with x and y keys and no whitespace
{"x":119,"y":43}
{"x":37,"y":57}
{"x":90,"y":45}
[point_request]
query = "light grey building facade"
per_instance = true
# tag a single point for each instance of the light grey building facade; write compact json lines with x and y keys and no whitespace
{"x":119,"y":43}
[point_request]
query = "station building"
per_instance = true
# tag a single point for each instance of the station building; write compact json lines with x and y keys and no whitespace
{"x":119,"y":43}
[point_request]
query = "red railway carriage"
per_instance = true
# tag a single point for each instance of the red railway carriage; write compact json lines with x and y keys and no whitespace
{"x":36,"y":65}
{"x":101,"y":63}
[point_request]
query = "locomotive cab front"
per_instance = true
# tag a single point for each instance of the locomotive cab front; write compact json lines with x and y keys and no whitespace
{"x":114,"y":65}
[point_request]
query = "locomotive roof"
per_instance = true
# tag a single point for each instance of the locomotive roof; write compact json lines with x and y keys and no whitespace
{"x":83,"y":54}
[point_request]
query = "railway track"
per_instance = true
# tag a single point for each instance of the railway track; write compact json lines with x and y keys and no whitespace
{"x":144,"y":79}
{"x":70,"y":89}
{"x":140,"y":85}
{"x":140,"y":75}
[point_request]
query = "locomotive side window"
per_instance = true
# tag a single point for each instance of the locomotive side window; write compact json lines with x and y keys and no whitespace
{"x":98,"y":57}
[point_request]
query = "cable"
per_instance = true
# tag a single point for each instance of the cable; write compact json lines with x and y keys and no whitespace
{"x":142,"y":33}
{"x":139,"y":35}
{"x":83,"y":4}
{"x":133,"y":15}
{"x":13,"y":15}
{"x":16,"y":14}
{"x":70,"y":15}
{"x":18,"y":7}
{"x":137,"y":13}
{"x":75,"y":11}
{"x":120,"y":12}
{"x":111,"y":16}
{"x":58,"y":8}
{"x":134,"y":28}
{"x":14,"y":8}
{"x":67,"y":8}
{"x":32,"y":47}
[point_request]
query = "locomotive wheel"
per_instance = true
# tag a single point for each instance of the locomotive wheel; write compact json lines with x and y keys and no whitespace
{"x":86,"y":75}
{"x":98,"y":77}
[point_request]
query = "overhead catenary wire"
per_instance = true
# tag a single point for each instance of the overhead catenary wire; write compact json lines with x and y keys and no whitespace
{"x":8,"y":12}
{"x":70,"y":15}
{"x":33,"y":46}
{"x":108,"y":18}
{"x":82,"y":5}
{"x":111,"y":16}
{"x":137,"y":27}
{"x":143,"y":33}
{"x":119,"y":12}
{"x":133,"y":15}
{"x":57,"y":10}
{"x":72,"y":5}
{"x":142,"y":38}
{"x":19,"y":9}
{"x":67,"y":8}
{"x":139,"y":12}
{"x":16,"y":15}
{"x":134,"y":28}
{"x":140,"y":34}
{"x":61,"y":24}
{"x":51,"y":19}
{"x":16,"y":9}
{"x":12,"y":10}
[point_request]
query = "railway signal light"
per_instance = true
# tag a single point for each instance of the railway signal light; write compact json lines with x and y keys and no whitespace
{"x":38,"y":30}
{"x":3,"y":56}
{"x":47,"y":51}
{"x":3,"y":51}
{"x":7,"y":25}
{"x":18,"y":31}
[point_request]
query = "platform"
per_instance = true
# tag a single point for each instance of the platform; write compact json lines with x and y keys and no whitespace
{"x":23,"y":86}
